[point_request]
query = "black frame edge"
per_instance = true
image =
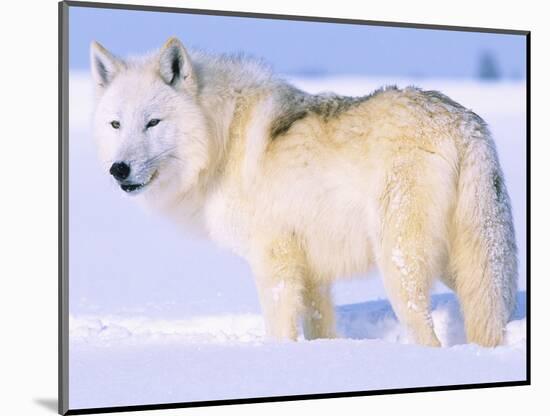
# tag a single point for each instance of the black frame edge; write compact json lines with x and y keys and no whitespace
{"x":167,"y":406}
{"x":528,"y":203}
{"x":63,"y":202}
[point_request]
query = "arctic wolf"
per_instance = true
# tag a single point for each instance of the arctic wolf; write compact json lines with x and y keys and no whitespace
{"x":312,"y":188}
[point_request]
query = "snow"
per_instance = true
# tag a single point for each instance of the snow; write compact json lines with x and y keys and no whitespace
{"x":157,"y":316}
{"x":143,"y":360}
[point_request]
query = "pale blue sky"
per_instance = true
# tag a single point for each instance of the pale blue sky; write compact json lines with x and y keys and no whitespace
{"x":294,"y":47}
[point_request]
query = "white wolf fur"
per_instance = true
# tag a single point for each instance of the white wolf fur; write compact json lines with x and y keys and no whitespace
{"x":311,"y":188}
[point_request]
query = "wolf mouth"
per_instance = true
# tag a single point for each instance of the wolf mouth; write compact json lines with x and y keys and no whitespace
{"x":135,"y":187}
{"x":131,"y":187}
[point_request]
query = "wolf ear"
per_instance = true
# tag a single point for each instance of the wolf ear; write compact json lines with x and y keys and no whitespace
{"x":175,"y":66}
{"x":104,"y":65}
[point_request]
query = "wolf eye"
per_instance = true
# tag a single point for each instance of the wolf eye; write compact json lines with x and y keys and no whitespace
{"x":152,"y":123}
{"x":115,"y":124}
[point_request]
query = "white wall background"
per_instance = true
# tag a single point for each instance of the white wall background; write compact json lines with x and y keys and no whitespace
{"x":28,"y":227}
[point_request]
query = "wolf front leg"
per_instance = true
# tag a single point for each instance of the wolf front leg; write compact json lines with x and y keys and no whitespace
{"x":280,"y":270}
{"x":318,"y":310}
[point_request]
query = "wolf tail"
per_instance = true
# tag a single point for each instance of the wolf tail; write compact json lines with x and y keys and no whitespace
{"x":483,"y":259}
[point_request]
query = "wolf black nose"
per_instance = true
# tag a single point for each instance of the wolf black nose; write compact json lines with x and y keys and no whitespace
{"x":120,"y":170}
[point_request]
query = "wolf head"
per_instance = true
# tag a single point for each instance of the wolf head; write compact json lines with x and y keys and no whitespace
{"x":148,"y":124}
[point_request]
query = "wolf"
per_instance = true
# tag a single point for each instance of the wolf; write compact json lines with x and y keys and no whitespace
{"x":310,"y":188}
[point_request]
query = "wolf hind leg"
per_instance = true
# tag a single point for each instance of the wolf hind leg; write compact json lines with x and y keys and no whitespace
{"x":413,"y":249}
{"x":407,"y":280}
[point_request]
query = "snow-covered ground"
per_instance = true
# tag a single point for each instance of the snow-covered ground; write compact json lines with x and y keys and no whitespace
{"x":157,"y":316}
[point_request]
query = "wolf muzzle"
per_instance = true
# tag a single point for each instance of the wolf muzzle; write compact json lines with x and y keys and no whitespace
{"x":120,"y":170}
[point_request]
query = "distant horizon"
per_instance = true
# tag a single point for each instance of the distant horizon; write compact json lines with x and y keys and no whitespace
{"x":302,"y":48}
{"x":374,"y":77}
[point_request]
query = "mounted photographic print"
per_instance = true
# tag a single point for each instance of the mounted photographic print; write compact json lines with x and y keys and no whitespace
{"x":264,"y":207}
